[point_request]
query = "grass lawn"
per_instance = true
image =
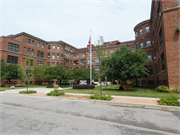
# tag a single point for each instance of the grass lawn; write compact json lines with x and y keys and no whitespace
{"x":22,"y":87}
{"x":114,"y":90}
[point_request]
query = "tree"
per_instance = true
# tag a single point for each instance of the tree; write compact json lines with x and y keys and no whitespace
{"x":124,"y":64}
{"x":49,"y":73}
{"x":101,"y":53}
{"x":26,"y":72}
{"x":9,"y":72}
{"x":3,"y":69}
{"x":61,"y":72}
{"x":39,"y":72}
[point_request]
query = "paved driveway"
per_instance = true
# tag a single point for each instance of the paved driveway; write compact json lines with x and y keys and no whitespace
{"x":32,"y":115}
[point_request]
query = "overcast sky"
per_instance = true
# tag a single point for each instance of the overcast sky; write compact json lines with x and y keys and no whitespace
{"x":72,"y":20}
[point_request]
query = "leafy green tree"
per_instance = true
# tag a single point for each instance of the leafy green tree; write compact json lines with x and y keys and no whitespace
{"x":124,"y":64}
{"x":50,"y":73}
{"x":3,"y":69}
{"x":25,"y":73}
{"x":39,"y":72}
{"x":11,"y":72}
{"x":61,"y":72}
{"x":101,"y":53}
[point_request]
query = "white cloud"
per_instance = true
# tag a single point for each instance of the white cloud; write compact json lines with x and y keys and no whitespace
{"x":71,"y":21}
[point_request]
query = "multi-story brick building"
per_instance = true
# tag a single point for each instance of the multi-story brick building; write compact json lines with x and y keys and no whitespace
{"x":158,"y":37}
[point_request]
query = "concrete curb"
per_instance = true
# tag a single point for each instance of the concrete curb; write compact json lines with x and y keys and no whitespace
{"x":137,"y":105}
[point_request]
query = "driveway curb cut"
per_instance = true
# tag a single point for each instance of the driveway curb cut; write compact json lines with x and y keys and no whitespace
{"x":137,"y":105}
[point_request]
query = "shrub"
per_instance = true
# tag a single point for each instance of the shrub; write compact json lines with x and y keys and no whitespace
{"x":83,"y":87}
{"x":162,"y":89}
{"x":175,"y":90}
{"x":27,"y":92}
{"x":1,"y":85}
{"x":50,"y":86}
{"x":64,"y":86}
{"x":172,"y":101}
{"x":55,"y":92}
{"x":2,"y":90}
{"x":130,"y":83}
{"x":97,"y":96}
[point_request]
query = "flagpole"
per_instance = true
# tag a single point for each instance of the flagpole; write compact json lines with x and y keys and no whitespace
{"x":90,"y":65}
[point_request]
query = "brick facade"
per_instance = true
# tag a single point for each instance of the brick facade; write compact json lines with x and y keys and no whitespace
{"x":158,"y":37}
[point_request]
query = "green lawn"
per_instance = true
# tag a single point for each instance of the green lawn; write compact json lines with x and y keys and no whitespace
{"x":114,"y":90}
{"x":22,"y":87}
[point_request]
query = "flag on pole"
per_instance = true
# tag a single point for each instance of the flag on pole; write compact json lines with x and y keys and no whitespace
{"x":89,"y":44}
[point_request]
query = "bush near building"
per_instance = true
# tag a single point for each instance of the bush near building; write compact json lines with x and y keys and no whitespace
{"x":27,"y":92}
{"x":172,"y":101}
{"x":98,"y":97}
{"x":55,"y":92}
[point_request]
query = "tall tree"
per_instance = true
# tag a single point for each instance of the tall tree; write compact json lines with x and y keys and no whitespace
{"x":125,"y":64}
{"x":3,"y":69}
{"x":39,"y":72}
{"x":11,"y":71}
{"x":61,"y":72}
{"x":101,"y":53}
{"x":26,"y":72}
{"x":50,"y":73}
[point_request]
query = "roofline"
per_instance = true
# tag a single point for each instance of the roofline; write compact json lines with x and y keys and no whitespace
{"x":141,"y":23}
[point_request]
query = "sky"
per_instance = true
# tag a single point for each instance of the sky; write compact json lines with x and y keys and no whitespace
{"x":72,"y":20}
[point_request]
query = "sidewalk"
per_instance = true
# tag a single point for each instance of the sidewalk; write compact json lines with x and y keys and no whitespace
{"x":141,"y":102}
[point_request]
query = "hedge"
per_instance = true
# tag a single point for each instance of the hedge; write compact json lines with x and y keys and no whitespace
{"x":83,"y":87}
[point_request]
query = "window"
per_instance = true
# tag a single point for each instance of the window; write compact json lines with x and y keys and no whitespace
{"x":38,"y":45}
{"x":32,"y":42}
{"x":111,"y":51}
{"x":61,"y":48}
{"x":32,"y":52}
{"x":162,"y":62}
{"x":61,"y":56}
{"x":141,"y":43}
{"x":105,"y":52}
{"x":71,"y":55}
{"x":83,"y":67}
{"x":143,"y":83}
{"x":40,"y":54}
{"x":150,"y":68}
{"x":147,"y":29}
{"x":53,"y":55}
{"x":48,"y":63}
{"x":29,"y":41}
{"x":31,"y":64}
{"x":13,"y":47}
{"x":159,"y":12}
{"x":17,"y":39}
{"x":136,"y":45}
{"x":161,"y":37}
{"x":57,"y":63}
{"x":133,"y":48}
{"x":83,"y":62}
{"x":82,"y":55}
{"x":76,"y":56}
{"x":89,"y":60}
{"x":66,"y":54}
{"x":53,"y":64}
{"x":67,"y":48}
{"x":149,"y":55}
{"x":49,"y":46}
{"x":48,"y":55}
{"x":97,"y":67}
{"x":97,"y":60}
{"x":136,"y":34}
{"x":58,"y":47}
{"x":12,"y":59}
{"x":71,"y":62}
{"x":71,"y":49}
{"x":28,"y":52}
{"x":76,"y":62}
{"x":140,"y":31}
{"x":53,"y":47}
{"x":43,"y":46}
{"x":58,"y":56}
{"x":150,"y":83}
{"x":148,"y":41}
{"x":89,"y":66}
